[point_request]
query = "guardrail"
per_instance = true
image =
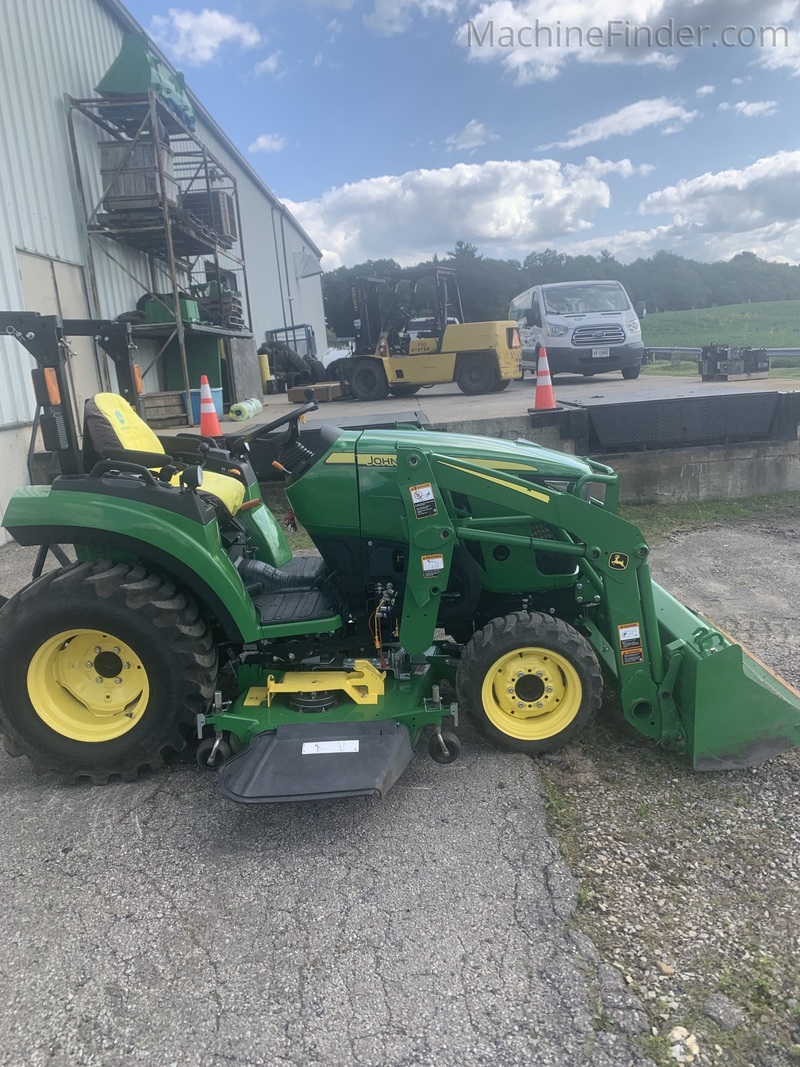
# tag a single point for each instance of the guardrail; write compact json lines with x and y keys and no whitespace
{"x":670,"y":349}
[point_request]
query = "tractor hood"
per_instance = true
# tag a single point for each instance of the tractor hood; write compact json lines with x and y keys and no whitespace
{"x":378,"y":447}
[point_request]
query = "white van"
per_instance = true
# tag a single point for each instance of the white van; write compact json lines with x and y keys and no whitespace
{"x":586,"y":327}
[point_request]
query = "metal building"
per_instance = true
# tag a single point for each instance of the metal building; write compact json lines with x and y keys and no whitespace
{"x":52,"y":54}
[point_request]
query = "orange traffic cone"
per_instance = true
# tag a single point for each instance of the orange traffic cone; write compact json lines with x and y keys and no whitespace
{"x":544,"y":401}
{"x":209,"y":423}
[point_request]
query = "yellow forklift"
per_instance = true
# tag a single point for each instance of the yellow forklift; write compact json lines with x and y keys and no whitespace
{"x":390,"y":357}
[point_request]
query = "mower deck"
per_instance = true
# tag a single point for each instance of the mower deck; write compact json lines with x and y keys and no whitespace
{"x":318,"y":761}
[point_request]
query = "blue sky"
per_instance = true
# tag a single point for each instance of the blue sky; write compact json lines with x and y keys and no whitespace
{"x":394,"y":128}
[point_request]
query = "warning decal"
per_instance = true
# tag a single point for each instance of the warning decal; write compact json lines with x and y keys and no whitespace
{"x":630,"y":642}
{"x":432,"y":565}
{"x":423,"y":500}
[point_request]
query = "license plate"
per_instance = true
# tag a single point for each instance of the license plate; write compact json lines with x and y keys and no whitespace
{"x":601,"y":353}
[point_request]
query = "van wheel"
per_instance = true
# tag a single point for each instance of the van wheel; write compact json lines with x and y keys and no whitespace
{"x":629,"y":373}
{"x":475,"y":375}
{"x":367,"y":380}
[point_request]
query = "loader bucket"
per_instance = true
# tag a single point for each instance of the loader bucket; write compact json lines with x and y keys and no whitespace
{"x":736,"y":712}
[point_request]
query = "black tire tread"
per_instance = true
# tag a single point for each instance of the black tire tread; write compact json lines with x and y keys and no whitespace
{"x":499,"y":636}
{"x":168,"y":609}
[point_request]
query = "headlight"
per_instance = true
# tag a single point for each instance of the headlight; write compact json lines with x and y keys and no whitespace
{"x":556,"y":331}
{"x":633,"y":326}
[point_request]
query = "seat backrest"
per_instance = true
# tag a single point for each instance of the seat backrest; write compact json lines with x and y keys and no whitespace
{"x":112,"y":423}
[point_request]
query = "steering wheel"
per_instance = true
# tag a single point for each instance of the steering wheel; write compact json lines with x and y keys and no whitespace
{"x":292,"y":419}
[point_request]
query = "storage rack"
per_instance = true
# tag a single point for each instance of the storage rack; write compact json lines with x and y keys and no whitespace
{"x":188,"y":212}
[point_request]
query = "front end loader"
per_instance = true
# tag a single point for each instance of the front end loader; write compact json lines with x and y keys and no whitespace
{"x":455,"y":575}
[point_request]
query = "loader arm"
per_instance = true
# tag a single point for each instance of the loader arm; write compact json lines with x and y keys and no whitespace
{"x":682,"y":682}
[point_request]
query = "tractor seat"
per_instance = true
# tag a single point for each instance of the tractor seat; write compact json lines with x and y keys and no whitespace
{"x":112,"y":424}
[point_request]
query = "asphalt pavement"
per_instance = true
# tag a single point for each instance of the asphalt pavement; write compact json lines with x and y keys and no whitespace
{"x":157,"y":923}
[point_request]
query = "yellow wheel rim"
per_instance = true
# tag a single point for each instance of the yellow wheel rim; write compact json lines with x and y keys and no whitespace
{"x":531,"y":694}
{"x":88,"y":685}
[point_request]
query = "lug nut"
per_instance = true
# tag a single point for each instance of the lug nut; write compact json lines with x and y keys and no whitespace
{"x":520,"y":705}
{"x":539,"y":674}
{"x":548,"y":689}
{"x":126,"y":666}
{"x":97,"y":649}
{"x":115,"y":651}
{"x":539,"y":705}
{"x":99,"y":680}
{"x":89,"y":663}
{"x":117,"y":681}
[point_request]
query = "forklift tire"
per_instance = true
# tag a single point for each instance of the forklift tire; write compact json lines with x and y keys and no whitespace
{"x":404,"y":390}
{"x":476,"y":375}
{"x":106,"y":667}
{"x":368,"y":381}
{"x":529,"y":682}
{"x":501,"y":384}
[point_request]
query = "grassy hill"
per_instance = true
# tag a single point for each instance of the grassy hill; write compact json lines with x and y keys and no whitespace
{"x":774,"y":324}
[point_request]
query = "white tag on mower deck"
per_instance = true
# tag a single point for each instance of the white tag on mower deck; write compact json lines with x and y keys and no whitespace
{"x":320,"y":748}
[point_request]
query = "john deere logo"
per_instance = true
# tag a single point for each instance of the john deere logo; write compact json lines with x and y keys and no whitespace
{"x":618,"y":561}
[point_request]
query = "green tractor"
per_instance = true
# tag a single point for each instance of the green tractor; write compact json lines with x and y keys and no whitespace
{"x":500,"y":571}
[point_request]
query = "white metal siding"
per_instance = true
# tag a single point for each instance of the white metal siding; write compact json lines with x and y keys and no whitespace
{"x":49,"y":48}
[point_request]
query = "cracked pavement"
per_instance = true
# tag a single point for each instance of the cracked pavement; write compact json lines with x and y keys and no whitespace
{"x":156,"y":923}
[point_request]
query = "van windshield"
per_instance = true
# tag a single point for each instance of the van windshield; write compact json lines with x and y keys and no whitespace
{"x":585,"y":297}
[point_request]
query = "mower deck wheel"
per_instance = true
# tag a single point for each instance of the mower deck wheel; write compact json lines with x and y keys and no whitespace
{"x":451,"y":744}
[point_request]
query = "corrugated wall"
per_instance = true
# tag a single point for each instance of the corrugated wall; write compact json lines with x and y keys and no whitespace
{"x":49,"y":48}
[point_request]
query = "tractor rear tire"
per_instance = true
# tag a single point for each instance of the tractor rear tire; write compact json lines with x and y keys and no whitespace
{"x":404,"y":390}
{"x":368,"y":381}
{"x":105,"y":668}
{"x":476,"y":375}
{"x":529,"y":682}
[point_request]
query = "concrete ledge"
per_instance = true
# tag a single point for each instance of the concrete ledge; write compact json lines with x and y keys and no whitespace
{"x":713,"y":472}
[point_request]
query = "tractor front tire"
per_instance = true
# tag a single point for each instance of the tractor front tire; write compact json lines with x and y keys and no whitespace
{"x":476,"y":375}
{"x":368,"y":381}
{"x":105,"y":667}
{"x":529,"y":682}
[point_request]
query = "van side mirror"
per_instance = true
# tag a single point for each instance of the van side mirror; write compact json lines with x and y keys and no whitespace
{"x":640,"y":309}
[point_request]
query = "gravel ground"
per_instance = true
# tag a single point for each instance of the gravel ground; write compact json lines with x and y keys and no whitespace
{"x":690,"y":883}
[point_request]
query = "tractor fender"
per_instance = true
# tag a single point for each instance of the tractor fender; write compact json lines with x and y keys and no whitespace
{"x":113,"y":526}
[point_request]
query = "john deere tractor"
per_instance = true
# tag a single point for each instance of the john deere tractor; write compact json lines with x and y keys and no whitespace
{"x":456,"y":575}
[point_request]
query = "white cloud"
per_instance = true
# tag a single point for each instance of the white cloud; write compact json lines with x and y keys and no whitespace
{"x":636,"y":31}
{"x":389,"y":17}
{"x":508,"y":205}
{"x":270,"y":65}
{"x":630,"y":119}
{"x":268,"y":142}
{"x":473,"y":135}
{"x":752,"y":109}
{"x":195,"y":38}
{"x":705,"y":90}
{"x":720,"y":213}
